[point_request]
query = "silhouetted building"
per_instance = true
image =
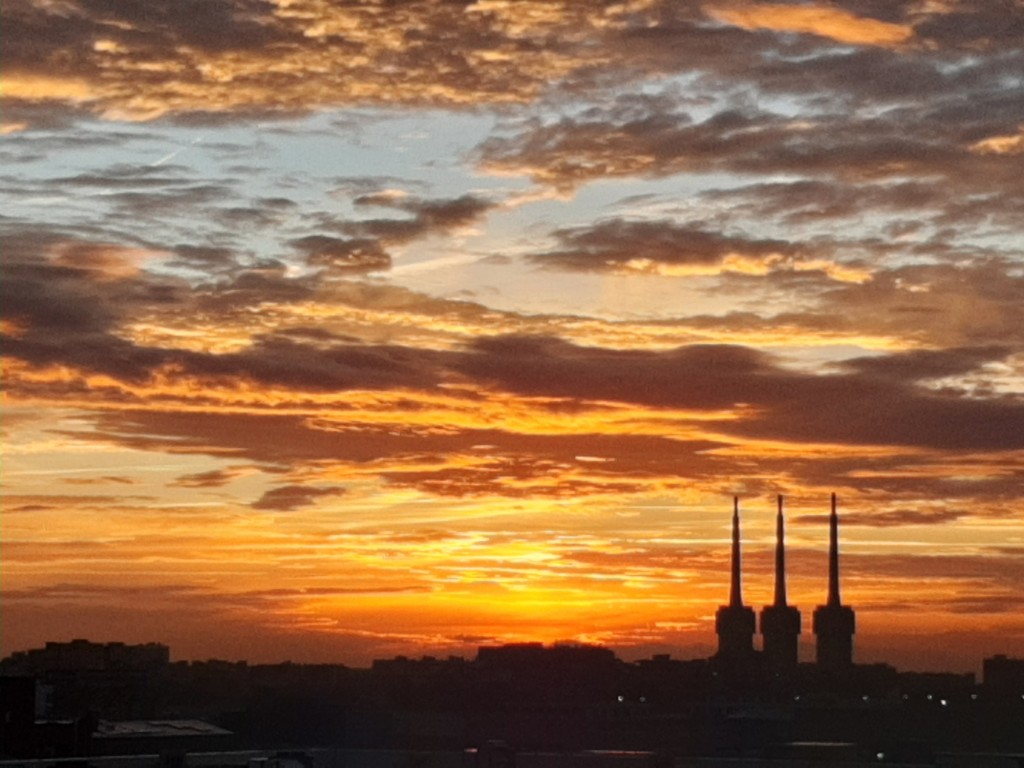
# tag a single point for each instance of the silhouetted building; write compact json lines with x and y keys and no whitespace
{"x":780,"y":622}
{"x":24,"y":735}
{"x":834,"y":622}
{"x":85,"y":656}
{"x":17,"y":715}
{"x":549,"y":701}
{"x":1003,"y":675}
{"x":115,"y":680}
{"x":735,"y":622}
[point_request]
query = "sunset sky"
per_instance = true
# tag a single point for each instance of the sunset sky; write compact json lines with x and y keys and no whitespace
{"x":340,"y":330}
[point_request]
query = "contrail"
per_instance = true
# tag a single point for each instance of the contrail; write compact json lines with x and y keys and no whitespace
{"x":176,"y":152}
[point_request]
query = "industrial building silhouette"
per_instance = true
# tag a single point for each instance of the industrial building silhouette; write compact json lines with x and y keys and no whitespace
{"x":780,"y":626}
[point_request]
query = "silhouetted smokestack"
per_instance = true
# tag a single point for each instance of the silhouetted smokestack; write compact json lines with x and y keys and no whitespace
{"x":735,"y":587}
{"x":834,"y":623}
{"x":780,"y":558}
{"x":780,"y":623}
{"x":833,"y":556}
{"x":735,"y":622}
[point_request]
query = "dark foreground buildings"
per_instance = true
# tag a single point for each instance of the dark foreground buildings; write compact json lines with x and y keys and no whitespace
{"x":84,"y":700}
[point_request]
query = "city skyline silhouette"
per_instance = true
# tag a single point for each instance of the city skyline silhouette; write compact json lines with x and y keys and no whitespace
{"x":747,"y":640}
{"x":771,"y":626}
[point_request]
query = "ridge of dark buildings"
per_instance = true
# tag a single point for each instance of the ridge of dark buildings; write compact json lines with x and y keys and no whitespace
{"x":84,"y":699}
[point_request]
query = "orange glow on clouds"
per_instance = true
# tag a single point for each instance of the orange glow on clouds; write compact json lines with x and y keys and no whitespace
{"x":746,"y":265}
{"x":35,"y":87}
{"x":1001,"y":145}
{"x":824,"y":21}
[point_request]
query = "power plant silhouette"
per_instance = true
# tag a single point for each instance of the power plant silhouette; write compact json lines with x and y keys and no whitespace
{"x":735,"y":623}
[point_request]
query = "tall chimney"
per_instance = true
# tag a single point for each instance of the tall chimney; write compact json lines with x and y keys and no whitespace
{"x":833,"y":556}
{"x":735,"y":587}
{"x":780,"y":558}
{"x":780,"y":623}
{"x":834,"y":623}
{"x":735,"y":622}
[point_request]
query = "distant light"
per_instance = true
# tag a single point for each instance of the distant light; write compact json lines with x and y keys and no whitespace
{"x":796,"y":698}
{"x":906,"y":697}
{"x":865,"y":698}
{"x":943,"y":702}
{"x":880,"y":756}
{"x":643,"y":699}
{"x":974,"y":697}
{"x":930,"y":697}
{"x":622,"y":698}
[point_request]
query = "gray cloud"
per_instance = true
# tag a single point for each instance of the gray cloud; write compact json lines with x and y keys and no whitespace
{"x":344,"y":255}
{"x":70,"y":315}
{"x":617,"y":243}
{"x":214,"y":478}
{"x":918,"y":365}
{"x":892,"y":518}
{"x":647,"y":140}
{"x":286,"y":498}
{"x":842,"y":408}
{"x":364,"y":247}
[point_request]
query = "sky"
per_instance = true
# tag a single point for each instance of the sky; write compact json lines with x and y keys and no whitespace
{"x":340,"y":330}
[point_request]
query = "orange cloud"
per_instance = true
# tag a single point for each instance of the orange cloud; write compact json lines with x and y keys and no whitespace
{"x":1012,"y":144}
{"x":824,"y":21}
{"x":742,"y":264}
{"x":290,"y":59}
{"x":40,"y":87}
